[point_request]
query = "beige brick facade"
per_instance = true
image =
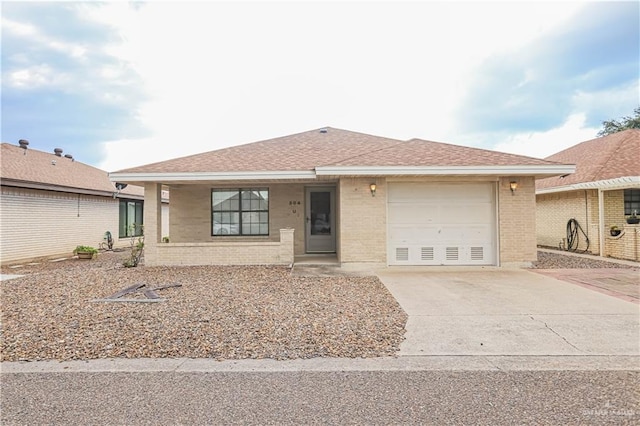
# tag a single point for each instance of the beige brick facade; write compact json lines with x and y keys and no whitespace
{"x":517,"y":221}
{"x":554,"y":210}
{"x":37,"y":223}
{"x":361,"y":223}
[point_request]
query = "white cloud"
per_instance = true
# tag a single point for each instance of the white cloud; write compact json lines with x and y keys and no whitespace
{"x":549,"y":142}
{"x":219,"y":74}
{"x":37,"y":76}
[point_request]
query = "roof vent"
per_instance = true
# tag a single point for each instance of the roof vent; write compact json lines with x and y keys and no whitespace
{"x":324,"y":130}
{"x":23,"y":143}
{"x":58,"y":152}
{"x":69,"y":156}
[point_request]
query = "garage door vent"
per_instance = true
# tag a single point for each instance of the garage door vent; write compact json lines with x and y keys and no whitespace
{"x":452,"y":253}
{"x":402,"y":254}
{"x":477,"y":253}
{"x":426,"y":253}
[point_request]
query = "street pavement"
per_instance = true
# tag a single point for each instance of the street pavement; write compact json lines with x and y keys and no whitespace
{"x":483,"y":346}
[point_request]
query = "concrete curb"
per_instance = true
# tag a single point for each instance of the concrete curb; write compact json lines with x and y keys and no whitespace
{"x":405,"y":363}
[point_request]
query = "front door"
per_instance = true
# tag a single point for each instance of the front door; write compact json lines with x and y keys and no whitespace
{"x":321,"y":220}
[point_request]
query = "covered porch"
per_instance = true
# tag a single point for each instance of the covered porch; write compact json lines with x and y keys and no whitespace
{"x":241,"y":223}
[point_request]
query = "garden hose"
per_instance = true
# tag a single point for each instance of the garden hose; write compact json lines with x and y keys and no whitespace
{"x":573,"y":239}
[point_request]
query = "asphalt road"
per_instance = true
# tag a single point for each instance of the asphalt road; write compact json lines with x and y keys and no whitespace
{"x":308,"y":397}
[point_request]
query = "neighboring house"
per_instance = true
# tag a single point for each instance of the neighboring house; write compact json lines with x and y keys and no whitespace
{"x":51,"y":203}
{"x":603,"y":192}
{"x":367,"y":199}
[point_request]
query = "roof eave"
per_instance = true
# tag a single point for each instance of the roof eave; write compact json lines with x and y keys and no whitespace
{"x":56,"y":188}
{"x":211,"y":176}
{"x":521,"y":170}
{"x":625,"y":182}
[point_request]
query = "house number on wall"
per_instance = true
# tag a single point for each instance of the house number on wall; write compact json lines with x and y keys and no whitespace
{"x":293,"y":205}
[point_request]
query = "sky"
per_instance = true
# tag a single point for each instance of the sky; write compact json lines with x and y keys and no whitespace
{"x":120,"y":84}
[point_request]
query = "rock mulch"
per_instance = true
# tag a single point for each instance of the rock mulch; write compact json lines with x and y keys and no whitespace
{"x":547,"y":260}
{"x":218,"y":312}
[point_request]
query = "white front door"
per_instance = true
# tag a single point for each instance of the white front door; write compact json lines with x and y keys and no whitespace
{"x":320,"y":220}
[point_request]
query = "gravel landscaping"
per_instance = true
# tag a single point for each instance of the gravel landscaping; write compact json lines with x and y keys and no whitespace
{"x":547,"y":260}
{"x":217,"y":312}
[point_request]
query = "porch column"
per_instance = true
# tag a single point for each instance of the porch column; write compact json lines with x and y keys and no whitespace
{"x":152,"y":221}
{"x":601,"y":221}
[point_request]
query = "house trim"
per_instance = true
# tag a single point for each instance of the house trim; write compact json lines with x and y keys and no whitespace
{"x":551,"y":170}
{"x":213,"y":176}
{"x":58,"y":188}
{"x":605,"y":185}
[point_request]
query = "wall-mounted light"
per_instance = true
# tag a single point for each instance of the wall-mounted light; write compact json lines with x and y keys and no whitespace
{"x":513,"y":185}
{"x":373,"y":187}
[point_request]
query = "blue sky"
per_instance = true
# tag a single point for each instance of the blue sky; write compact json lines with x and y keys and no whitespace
{"x":120,"y":84}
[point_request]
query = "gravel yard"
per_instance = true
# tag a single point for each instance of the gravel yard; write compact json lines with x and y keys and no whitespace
{"x":559,"y":260}
{"x":218,"y":312}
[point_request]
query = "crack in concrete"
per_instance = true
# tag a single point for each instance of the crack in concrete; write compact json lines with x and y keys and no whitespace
{"x":556,"y":333}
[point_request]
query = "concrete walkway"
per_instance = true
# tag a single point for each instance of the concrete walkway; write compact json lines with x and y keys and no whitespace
{"x":476,"y":311}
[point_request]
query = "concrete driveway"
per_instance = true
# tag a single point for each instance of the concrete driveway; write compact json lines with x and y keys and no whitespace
{"x":472,"y":311}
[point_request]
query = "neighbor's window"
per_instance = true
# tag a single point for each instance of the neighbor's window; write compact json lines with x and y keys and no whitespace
{"x":130,"y":218}
{"x":240,"y":211}
{"x":631,"y":201}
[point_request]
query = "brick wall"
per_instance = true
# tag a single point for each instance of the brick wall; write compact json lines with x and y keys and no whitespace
{"x":190,"y":214}
{"x":517,"y":221}
{"x":626,"y":245}
{"x":553,"y":211}
{"x":36,"y":223}
{"x":224,"y":252}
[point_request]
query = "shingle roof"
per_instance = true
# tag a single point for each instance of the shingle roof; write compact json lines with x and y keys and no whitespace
{"x":418,"y":152}
{"x":603,"y":158}
{"x":302,"y":151}
{"x":335,"y":147}
{"x":29,"y":166}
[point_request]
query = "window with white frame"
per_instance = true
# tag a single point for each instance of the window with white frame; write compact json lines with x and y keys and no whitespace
{"x":240,"y":211}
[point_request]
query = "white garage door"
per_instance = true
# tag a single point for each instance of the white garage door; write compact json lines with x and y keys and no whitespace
{"x":441,"y":224}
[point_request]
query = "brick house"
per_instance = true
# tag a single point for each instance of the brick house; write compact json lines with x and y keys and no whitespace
{"x":365,"y":200}
{"x":51,"y":203}
{"x":603,"y":192}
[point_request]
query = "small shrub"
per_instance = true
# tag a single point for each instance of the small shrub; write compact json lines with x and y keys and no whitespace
{"x":85,"y":249}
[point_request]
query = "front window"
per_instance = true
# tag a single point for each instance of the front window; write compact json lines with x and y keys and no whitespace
{"x":631,"y":201}
{"x":240,"y":211}
{"x":130,"y":218}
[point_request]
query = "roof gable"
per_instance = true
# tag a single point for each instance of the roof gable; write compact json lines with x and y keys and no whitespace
{"x":604,"y":158}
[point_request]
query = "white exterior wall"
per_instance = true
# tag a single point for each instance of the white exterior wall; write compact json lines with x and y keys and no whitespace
{"x":36,"y":223}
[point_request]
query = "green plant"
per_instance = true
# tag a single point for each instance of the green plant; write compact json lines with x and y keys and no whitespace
{"x":165,"y":239}
{"x":136,"y":249}
{"x":613,"y":228}
{"x":85,"y":249}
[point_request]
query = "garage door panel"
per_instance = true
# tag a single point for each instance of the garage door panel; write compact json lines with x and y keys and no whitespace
{"x":441,"y":224}
{"x":415,"y":214}
{"x":409,"y":192}
{"x":412,"y":235}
